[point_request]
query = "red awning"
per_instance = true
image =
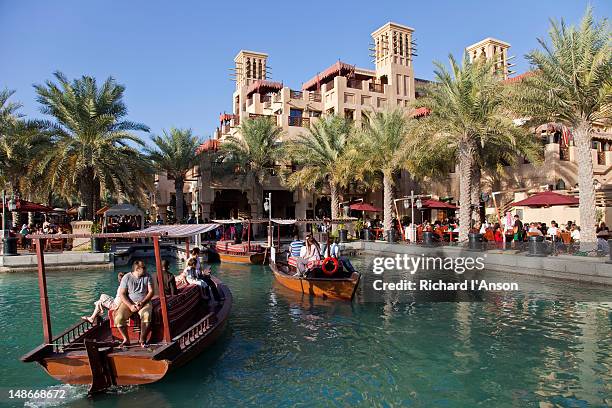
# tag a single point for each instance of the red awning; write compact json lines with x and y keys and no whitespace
{"x":546,"y":199}
{"x":102,"y":210}
{"x":438,"y":205}
{"x":365,"y":207}
{"x":28,"y":206}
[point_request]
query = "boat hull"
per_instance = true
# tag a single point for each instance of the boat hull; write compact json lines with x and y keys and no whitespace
{"x":342,"y":289}
{"x":256,"y":258}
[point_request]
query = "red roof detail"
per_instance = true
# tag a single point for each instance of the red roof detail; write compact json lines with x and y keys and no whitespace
{"x":547,"y":199}
{"x":339,"y":68}
{"x":210,"y":144}
{"x":518,"y":78}
{"x":419,"y":112}
{"x":263,"y":87}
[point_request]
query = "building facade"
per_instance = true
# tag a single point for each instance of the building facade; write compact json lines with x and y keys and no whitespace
{"x":218,"y":191}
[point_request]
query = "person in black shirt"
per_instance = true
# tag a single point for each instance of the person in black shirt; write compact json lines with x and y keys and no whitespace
{"x":518,"y":228}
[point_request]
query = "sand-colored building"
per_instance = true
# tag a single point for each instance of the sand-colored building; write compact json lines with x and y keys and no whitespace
{"x":352,"y":91}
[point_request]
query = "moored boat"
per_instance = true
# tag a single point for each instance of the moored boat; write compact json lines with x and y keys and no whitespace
{"x":183,"y":326}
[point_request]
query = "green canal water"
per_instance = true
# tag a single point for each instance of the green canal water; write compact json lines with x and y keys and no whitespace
{"x":283,"y":349}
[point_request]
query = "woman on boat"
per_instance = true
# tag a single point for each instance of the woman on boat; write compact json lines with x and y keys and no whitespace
{"x":193,"y":277}
{"x":310,"y":253}
{"x":203,"y":274}
{"x":105,"y":302}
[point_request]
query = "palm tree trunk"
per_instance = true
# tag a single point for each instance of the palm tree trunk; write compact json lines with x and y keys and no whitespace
{"x":96,"y":196}
{"x":333,"y":188}
{"x":388,"y":202}
{"x":179,"y":183}
{"x":465,"y":159}
{"x":258,"y":204}
{"x":475,"y":193}
{"x":582,"y":139}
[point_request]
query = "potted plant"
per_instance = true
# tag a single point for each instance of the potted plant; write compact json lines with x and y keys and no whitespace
{"x":97,"y":244}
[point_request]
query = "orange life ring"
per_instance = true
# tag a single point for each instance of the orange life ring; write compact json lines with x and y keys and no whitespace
{"x":326,"y":266}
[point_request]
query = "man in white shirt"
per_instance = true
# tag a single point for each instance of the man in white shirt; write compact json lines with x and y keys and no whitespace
{"x":553,"y":230}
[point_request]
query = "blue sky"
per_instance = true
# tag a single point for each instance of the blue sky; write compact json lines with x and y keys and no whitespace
{"x":174,"y":56}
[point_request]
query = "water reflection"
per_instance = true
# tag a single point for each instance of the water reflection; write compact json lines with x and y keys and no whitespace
{"x":532,"y":348}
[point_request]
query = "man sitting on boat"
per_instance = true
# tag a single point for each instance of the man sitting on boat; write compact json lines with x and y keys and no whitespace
{"x":135,"y":291}
{"x":295,"y":247}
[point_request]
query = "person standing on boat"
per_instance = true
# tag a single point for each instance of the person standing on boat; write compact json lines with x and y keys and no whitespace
{"x":204,"y":274}
{"x":135,"y":291}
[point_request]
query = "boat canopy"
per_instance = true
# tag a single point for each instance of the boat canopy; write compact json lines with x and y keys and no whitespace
{"x":281,"y":221}
{"x":163,"y":231}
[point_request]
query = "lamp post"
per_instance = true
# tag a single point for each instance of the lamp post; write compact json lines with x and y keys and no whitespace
{"x":195,"y":206}
{"x":9,"y":246}
{"x":419,"y":206}
{"x":268,"y":208}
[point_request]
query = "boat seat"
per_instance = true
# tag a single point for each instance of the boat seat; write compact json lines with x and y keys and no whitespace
{"x":292,"y":261}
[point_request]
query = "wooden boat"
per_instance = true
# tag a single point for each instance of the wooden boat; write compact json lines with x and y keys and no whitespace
{"x":343,"y":288}
{"x":254,"y":258}
{"x":183,"y":326}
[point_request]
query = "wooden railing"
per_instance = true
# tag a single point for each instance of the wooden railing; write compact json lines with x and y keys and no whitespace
{"x":72,"y":334}
{"x":296,"y":94}
{"x":190,"y":336}
{"x":601,"y":158}
{"x":299,"y":121}
{"x":376,"y":87}
{"x":315,"y":96}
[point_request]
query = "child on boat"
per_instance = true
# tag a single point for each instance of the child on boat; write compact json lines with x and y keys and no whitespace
{"x":105,"y":302}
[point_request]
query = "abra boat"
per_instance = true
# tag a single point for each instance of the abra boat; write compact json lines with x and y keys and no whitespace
{"x":183,"y":326}
{"x":240,"y":253}
{"x":332,"y":287}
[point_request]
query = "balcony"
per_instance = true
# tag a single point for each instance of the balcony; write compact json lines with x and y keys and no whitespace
{"x":601,"y":158}
{"x":376,"y":87}
{"x":299,"y":121}
{"x":354,"y":83}
{"x":315,"y":96}
{"x":296,"y":94}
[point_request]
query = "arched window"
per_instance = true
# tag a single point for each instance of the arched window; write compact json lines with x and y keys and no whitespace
{"x":248,"y":68}
{"x":560,"y":185}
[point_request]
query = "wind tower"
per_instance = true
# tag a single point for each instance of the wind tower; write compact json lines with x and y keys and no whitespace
{"x":250,"y":66}
{"x":393,"y":51}
{"x":492,"y":49}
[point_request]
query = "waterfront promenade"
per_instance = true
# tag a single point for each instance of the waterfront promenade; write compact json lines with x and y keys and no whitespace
{"x":567,"y":267}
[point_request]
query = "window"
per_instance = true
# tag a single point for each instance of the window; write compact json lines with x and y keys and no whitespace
{"x":349,"y":98}
{"x":382,"y":102}
{"x":366,"y":100}
{"x":349,"y":114}
{"x":315,"y":114}
{"x":296,"y":113}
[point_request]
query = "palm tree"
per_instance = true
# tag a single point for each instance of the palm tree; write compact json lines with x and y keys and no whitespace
{"x":175,"y":153}
{"x":571,"y":83}
{"x":92,"y":149}
{"x":382,"y":147}
{"x":468,"y":113}
{"x":21,"y":143}
{"x":320,"y":153}
{"x":254,"y":150}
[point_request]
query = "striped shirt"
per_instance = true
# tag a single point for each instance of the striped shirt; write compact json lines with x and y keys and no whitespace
{"x":296,"y":247}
